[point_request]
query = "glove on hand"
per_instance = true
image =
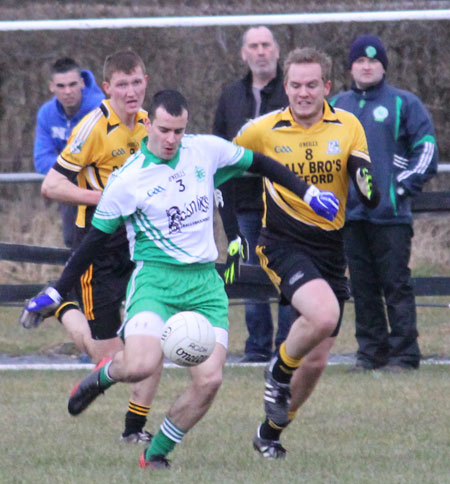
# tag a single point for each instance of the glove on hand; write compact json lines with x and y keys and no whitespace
{"x":365,"y":182}
{"x":323,"y":202}
{"x":237,"y":250}
{"x":40,"y":307}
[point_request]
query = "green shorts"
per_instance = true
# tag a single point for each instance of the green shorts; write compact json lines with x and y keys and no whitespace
{"x":168,"y":289}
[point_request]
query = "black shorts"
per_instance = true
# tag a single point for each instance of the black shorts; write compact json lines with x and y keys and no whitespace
{"x":290,"y":265}
{"x":101,"y":290}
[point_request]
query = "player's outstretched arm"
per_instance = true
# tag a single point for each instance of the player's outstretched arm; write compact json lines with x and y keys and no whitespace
{"x":237,"y":250}
{"x":324,"y":203}
{"x":45,"y":303}
{"x":40,"y":307}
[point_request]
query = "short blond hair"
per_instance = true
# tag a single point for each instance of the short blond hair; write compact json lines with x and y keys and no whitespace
{"x":308,"y":55}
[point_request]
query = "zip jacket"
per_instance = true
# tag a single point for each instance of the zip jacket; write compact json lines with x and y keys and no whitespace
{"x":402,"y":147}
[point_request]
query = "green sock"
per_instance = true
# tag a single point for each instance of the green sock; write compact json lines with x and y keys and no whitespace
{"x":161,"y":445}
{"x":104,"y":379}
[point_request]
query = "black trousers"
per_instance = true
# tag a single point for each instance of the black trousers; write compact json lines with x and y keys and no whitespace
{"x":378,"y":258}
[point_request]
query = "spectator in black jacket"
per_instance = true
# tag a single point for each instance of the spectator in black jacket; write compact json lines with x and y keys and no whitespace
{"x":259,"y":92}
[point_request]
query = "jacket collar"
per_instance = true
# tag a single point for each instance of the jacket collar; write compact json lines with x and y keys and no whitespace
{"x":371,"y":92}
{"x":269,"y":87}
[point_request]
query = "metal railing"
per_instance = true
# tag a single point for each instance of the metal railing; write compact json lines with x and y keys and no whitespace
{"x":28,"y":177}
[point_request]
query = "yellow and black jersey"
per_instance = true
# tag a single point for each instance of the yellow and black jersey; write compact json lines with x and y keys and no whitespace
{"x":99,"y":144}
{"x":320,"y":155}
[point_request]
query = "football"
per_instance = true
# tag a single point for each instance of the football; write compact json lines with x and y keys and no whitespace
{"x":188,"y":338}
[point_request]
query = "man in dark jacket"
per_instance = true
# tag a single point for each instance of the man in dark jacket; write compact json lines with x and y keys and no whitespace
{"x":259,"y":92}
{"x":76,"y":93}
{"x":403,"y":150}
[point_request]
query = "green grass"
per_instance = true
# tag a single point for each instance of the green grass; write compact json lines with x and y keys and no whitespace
{"x":356,"y":428}
{"x":433,"y":324}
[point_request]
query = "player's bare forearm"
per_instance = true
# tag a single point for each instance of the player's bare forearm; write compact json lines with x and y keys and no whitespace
{"x":59,"y":188}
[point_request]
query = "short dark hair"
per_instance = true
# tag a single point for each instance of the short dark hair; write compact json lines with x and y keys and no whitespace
{"x":121,"y":61}
{"x":172,"y":101}
{"x":309,"y":55}
{"x":63,"y":65}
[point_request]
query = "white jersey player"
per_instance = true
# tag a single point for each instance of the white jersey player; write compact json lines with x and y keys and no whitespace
{"x":168,"y":207}
{"x":164,"y":194}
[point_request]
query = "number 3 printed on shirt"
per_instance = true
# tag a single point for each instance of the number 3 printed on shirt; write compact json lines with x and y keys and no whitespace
{"x":181,"y":188}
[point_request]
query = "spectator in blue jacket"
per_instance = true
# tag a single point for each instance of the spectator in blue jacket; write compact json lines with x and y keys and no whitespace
{"x":76,"y":93}
{"x":404,"y":155}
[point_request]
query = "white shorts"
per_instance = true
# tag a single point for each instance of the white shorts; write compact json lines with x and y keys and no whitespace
{"x":148,"y":323}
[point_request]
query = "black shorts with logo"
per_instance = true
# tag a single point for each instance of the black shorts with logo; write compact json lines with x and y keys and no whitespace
{"x":291,"y":264}
{"x":102,"y":288}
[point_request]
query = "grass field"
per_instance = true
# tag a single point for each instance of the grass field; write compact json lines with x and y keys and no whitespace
{"x":433,"y":324}
{"x":370,"y":428}
{"x":355,"y":429}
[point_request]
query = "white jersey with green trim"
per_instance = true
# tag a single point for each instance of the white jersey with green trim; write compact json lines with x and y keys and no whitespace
{"x":168,"y":205}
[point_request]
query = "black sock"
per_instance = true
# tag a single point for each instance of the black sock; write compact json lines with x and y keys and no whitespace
{"x":284,"y":366}
{"x":271,"y":431}
{"x":135,"y":418}
{"x":281,"y":372}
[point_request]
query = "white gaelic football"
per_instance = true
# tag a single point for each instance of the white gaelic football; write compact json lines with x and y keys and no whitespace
{"x":188,"y":338}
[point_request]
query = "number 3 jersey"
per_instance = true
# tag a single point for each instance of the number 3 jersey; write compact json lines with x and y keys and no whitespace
{"x":168,"y":205}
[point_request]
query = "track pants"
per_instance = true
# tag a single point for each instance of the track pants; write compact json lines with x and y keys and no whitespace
{"x":378,"y":258}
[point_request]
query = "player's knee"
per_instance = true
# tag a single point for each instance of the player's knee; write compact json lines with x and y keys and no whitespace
{"x":214,"y":382}
{"x":100,"y":353}
{"x":326,"y":320}
{"x":104,"y":348}
{"x":327,"y":326}
{"x":209,"y":384}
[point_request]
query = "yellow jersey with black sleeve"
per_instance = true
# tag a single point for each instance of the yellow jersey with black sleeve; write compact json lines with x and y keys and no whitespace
{"x":320,"y":155}
{"x":99,"y":144}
